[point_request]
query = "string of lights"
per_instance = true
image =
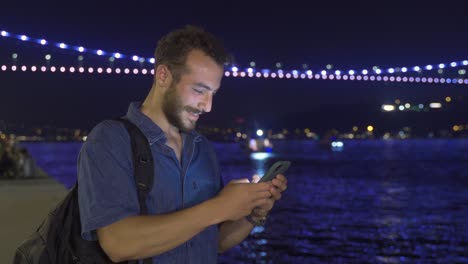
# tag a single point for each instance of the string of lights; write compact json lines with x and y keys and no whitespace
{"x":328,"y":71}
{"x":237,"y":74}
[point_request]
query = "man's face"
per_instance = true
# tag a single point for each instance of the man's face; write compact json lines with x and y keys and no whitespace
{"x":192,"y":95}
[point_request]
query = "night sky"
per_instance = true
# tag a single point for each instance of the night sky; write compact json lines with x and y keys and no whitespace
{"x":346,"y":34}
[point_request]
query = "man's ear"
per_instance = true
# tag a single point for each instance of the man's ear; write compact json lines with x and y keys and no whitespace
{"x":163,"y":76}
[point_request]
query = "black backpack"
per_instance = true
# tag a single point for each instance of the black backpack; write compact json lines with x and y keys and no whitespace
{"x":58,"y":239}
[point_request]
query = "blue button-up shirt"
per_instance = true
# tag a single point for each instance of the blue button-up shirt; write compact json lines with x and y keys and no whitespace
{"x":107,"y":191}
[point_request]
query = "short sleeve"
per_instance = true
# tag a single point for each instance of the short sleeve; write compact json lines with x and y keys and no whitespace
{"x":106,"y":186}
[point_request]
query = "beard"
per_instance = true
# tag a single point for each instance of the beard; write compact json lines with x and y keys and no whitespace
{"x":174,"y":109}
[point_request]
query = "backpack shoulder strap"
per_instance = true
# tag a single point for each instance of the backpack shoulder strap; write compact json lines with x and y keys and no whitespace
{"x":142,"y":162}
{"x":143,"y":167}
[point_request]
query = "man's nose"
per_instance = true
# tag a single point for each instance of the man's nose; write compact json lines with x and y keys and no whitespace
{"x":206,"y":103}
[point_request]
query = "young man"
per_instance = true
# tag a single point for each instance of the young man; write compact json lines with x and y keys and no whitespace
{"x":193,"y":216}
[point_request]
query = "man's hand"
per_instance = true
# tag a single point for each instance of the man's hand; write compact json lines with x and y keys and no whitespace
{"x":238,"y":198}
{"x":278,"y":185}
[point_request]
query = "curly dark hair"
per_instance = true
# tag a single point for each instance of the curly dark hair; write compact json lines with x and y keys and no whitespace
{"x":173,"y":48}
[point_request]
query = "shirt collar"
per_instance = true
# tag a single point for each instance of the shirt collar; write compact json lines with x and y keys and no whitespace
{"x":149,"y":128}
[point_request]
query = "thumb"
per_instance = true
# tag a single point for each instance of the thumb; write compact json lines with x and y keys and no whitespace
{"x":244,"y":180}
{"x":255,"y":178}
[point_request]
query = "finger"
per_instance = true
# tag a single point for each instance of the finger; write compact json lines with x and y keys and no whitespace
{"x":261,"y":186}
{"x":263,"y":203}
{"x":279,"y":184}
{"x":244,"y":180}
{"x":281,"y":177}
{"x":255,"y":178}
{"x":275,"y":193}
{"x":262,"y":195}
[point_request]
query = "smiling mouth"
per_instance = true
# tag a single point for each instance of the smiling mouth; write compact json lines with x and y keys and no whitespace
{"x":194,"y":114}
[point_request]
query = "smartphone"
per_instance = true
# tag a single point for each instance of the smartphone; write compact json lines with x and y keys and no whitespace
{"x":278,"y":167}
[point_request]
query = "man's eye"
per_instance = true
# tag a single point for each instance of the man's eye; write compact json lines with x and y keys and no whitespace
{"x":198,"y":91}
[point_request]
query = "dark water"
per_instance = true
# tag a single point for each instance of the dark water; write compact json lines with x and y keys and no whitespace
{"x":371,"y":202}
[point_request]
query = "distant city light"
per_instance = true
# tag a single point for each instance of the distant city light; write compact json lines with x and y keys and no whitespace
{"x":370,"y":128}
{"x":388,"y":108}
{"x":99,"y":52}
{"x":43,"y":42}
{"x":448,"y":99}
{"x":259,"y":132}
{"x":407,"y":105}
{"x":435,"y":105}
{"x":81,"y":49}
{"x":62,"y":45}
{"x":401,"y":108}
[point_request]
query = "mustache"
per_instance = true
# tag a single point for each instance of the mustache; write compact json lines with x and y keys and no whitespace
{"x":194,"y":110}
